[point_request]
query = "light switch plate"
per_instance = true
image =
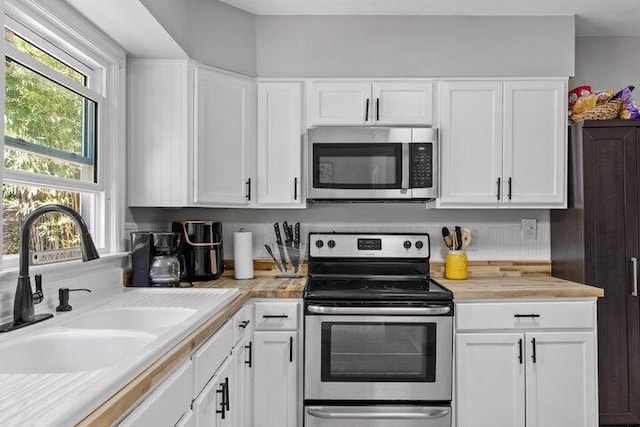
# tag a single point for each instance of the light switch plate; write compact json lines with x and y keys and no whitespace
{"x":529,"y":229}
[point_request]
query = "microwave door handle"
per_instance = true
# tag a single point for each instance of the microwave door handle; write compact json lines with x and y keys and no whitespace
{"x":405,"y":169}
{"x":336,"y":414}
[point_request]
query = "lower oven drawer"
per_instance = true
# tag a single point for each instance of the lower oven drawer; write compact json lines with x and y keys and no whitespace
{"x":377,"y":416}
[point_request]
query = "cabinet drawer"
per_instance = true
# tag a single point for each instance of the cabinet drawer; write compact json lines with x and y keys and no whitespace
{"x":243,"y":322}
{"x":167,"y":403}
{"x":208,"y":358}
{"x":525,"y":315}
{"x":276,"y":316}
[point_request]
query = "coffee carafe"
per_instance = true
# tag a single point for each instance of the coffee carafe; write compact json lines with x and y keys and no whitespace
{"x":155,"y":259}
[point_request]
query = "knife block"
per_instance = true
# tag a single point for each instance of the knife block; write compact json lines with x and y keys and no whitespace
{"x":293,"y":259}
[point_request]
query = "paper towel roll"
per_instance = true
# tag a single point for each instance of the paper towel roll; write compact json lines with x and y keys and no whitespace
{"x":243,"y":254}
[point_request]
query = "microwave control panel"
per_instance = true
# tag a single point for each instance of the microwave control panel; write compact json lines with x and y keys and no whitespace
{"x":421,"y":169}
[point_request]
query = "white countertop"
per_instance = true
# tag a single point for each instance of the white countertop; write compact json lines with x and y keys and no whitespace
{"x":42,"y":399}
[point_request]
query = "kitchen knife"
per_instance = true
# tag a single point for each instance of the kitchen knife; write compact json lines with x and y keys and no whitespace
{"x":287,"y":232}
{"x":288,"y":242}
{"x":458,"y":238}
{"x":283,"y":257}
{"x":296,"y":244}
{"x":268,"y":248}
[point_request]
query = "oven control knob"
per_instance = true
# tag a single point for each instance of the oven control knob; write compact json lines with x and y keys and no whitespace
{"x":331,"y":244}
{"x":319,"y":244}
{"x":419,"y":244}
{"x":406,"y":244}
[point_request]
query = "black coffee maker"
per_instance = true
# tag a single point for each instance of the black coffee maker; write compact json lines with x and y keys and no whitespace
{"x":155,"y":259}
{"x":202,"y":249}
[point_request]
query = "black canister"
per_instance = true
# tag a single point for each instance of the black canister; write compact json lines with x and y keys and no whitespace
{"x":202,"y":249}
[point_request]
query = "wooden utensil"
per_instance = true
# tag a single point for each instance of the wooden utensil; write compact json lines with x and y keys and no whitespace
{"x":447,"y":238}
{"x":466,"y":238}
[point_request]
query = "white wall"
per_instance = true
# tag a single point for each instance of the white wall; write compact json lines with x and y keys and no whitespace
{"x":415,"y":46}
{"x":498,"y":231}
{"x":607,"y":63}
{"x":210,"y":31}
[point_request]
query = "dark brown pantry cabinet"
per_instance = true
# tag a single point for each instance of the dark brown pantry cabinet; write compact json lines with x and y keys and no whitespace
{"x":596,"y":241}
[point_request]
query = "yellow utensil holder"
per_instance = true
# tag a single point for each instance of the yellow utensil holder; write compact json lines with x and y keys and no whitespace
{"x":455,"y":265}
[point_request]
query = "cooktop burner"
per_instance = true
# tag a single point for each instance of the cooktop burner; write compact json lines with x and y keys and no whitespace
{"x":375,"y":289}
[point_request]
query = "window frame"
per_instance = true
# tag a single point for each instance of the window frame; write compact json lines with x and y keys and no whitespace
{"x":57,"y":29}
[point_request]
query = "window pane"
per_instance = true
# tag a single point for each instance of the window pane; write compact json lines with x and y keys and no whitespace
{"x":41,"y":56}
{"x":52,"y":129}
{"x":52,"y":231}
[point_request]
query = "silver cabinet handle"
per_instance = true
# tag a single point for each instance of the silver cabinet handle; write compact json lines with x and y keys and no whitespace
{"x":336,"y":414}
{"x":319,"y":309}
{"x":634,"y":292}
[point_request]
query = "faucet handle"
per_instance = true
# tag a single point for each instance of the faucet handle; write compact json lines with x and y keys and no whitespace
{"x":38,"y":296}
{"x":63,"y":296}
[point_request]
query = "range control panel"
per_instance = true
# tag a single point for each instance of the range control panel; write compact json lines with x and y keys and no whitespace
{"x":346,"y":245}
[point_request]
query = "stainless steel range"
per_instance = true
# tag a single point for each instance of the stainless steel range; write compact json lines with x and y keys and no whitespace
{"x":378,"y":333}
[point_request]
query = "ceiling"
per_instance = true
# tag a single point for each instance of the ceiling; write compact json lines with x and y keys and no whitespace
{"x":593,"y":17}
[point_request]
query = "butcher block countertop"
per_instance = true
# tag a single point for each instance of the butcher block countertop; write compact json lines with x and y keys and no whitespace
{"x":518,"y":287}
{"x":272,"y":287}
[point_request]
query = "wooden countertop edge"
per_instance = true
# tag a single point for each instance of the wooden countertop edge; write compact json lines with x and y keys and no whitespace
{"x":511,"y":293}
{"x":111,"y":410}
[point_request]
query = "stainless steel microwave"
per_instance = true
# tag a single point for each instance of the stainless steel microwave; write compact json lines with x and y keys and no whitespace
{"x":372,"y":163}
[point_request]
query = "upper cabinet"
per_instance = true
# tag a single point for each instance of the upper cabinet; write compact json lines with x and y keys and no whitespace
{"x":503,"y":144}
{"x":354,"y":102}
{"x":224,"y":142}
{"x":280,"y":138}
{"x":191,"y":135}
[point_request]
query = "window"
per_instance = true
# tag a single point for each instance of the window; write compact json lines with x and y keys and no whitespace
{"x":60,"y":143}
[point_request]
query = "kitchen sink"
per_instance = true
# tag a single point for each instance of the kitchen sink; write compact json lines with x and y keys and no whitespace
{"x":133,"y":318}
{"x":70,"y":351}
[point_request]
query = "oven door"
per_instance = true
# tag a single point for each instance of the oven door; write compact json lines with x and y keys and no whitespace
{"x":377,"y":416}
{"x":366,"y":357}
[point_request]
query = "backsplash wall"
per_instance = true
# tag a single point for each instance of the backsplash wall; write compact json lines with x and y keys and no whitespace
{"x":498,"y":233}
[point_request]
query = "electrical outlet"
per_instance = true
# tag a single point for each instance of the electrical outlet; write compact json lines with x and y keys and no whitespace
{"x":473,"y":246}
{"x":529,"y":229}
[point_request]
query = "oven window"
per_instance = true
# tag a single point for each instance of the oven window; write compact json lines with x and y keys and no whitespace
{"x":378,"y":352}
{"x":357,"y":166}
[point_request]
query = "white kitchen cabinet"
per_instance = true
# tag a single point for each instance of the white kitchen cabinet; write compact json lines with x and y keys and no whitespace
{"x":280,"y":137}
{"x":276,"y":379}
{"x":167,"y":403}
{"x":191,"y":135}
{"x":213,"y":406}
{"x":534,"y":152}
{"x":490,"y":380}
{"x":524,"y":370}
{"x":470,"y":143}
{"x":224,"y":140}
{"x":358,"y":102}
{"x":503,"y":144}
{"x":243,"y":383}
{"x":159,"y":105}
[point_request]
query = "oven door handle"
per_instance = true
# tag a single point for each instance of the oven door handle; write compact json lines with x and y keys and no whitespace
{"x":403,"y":311}
{"x":321,"y":412}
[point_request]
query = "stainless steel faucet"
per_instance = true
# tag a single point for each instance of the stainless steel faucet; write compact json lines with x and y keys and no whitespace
{"x":23,"y":304}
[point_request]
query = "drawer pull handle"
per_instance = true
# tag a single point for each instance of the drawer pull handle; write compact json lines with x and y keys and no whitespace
{"x":244,"y":324}
{"x":248,"y":347}
{"x":517,"y":316}
{"x":275,"y":316}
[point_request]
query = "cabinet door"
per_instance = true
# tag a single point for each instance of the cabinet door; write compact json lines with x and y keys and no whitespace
{"x":280,"y":135}
{"x":224,"y":139}
{"x":490,"y":380}
{"x":243,"y":383}
{"x":561,"y":373}
{"x":340,"y":103}
{"x":402,"y":103}
{"x":535,"y":123}
{"x":611,"y":177}
{"x":471,"y":144}
{"x":275,"y":379}
{"x":207,"y":403}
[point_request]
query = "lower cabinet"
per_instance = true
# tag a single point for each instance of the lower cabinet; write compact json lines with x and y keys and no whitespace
{"x":526,"y":377}
{"x":212,"y":407}
{"x":243,"y":390}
